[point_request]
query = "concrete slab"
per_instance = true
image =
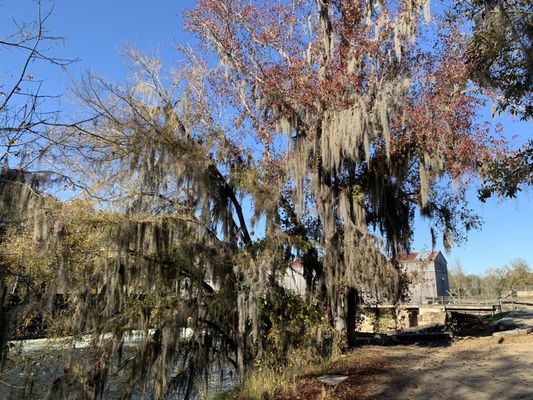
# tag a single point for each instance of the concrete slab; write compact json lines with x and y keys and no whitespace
{"x":332,"y":379}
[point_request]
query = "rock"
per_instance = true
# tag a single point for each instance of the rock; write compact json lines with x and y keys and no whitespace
{"x":514,"y":332}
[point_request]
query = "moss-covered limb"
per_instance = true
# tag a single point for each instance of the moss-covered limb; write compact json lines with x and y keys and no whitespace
{"x":103,"y":284}
{"x":230,"y":193}
{"x":123,"y":273}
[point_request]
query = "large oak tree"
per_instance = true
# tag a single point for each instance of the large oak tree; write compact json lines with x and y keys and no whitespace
{"x":301,"y":133}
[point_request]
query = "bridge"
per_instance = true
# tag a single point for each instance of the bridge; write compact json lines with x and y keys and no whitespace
{"x":433,"y":310}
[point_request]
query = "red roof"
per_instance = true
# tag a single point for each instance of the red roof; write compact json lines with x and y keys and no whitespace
{"x":418,"y":256}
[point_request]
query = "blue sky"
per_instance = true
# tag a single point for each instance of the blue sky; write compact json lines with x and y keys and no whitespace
{"x":96,"y":32}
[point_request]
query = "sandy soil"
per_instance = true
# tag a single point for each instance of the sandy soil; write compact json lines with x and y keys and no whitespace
{"x":475,"y":368}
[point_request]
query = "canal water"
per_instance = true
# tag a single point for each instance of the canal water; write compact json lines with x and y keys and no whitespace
{"x":34,"y":365}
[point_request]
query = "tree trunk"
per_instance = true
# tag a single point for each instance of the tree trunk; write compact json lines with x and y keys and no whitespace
{"x":351,"y":315}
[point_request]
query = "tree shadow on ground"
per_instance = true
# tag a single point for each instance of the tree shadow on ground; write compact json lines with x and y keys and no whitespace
{"x":481,"y":372}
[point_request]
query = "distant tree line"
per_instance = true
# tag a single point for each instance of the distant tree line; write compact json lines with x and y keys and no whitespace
{"x":495,"y":282}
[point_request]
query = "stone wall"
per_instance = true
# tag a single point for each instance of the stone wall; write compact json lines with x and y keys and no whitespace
{"x":431,"y":315}
{"x":386,"y":319}
{"x":374,"y":320}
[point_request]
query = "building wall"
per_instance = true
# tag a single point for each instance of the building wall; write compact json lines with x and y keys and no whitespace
{"x":428,"y":278}
{"x":441,"y":276}
{"x":294,"y":280}
{"x":423,"y":283}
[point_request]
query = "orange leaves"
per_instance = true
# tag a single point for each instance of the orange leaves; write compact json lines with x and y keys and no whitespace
{"x":359,"y":84}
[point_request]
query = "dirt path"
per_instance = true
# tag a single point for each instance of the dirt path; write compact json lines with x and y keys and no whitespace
{"x":477,"y":369}
{"x":471,"y":368}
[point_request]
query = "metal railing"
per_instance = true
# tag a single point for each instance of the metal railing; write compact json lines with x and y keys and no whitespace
{"x":452,"y":300}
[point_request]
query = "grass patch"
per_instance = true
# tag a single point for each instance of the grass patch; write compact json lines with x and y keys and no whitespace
{"x":266,"y":383}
